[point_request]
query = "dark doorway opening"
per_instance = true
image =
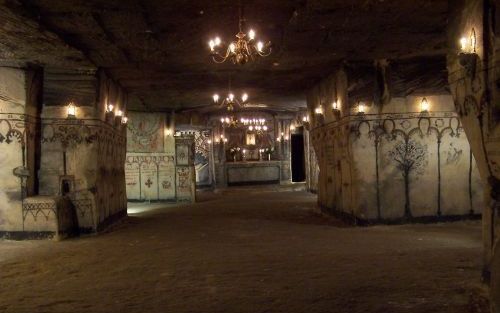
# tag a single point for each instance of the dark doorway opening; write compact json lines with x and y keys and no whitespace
{"x":298,"y":158}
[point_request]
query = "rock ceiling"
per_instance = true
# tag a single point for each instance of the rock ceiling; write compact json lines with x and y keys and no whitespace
{"x":158,"y":49}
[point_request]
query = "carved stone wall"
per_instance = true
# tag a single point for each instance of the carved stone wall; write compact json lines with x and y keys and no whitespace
{"x":87,"y":153}
{"x":157,"y":166}
{"x":47,"y":153}
{"x":391,"y":163}
{"x":19,"y":93}
{"x":474,"y":83}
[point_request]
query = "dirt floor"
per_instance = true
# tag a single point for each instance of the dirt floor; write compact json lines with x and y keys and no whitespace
{"x":247,"y":250}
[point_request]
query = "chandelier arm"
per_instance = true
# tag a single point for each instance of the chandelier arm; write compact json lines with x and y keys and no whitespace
{"x":221,"y":59}
{"x":264,"y":54}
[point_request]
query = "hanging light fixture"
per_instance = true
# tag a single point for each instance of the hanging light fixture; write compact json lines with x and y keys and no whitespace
{"x":245,"y":48}
{"x":231,"y":101}
{"x":229,"y":121}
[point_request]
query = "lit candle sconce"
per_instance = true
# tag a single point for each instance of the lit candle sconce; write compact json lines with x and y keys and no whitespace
{"x":109,"y":108}
{"x":278,"y":139}
{"x":118,"y":117}
{"x":71,"y":110}
{"x":424,"y":105}
{"x":292,"y":128}
{"x":124,"y":120}
{"x":335,"y":105}
{"x":168,"y":132}
{"x":361,"y":108}
{"x":336,"y":108}
{"x":209,"y":141}
{"x":468,"y":56}
{"x":319,"y":110}
{"x":305,"y":121}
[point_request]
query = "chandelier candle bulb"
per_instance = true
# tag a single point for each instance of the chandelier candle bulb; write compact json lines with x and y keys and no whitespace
{"x":216,"y":98}
{"x":260,"y":46}
{"x":319,"y":110}
{"x":124,"y":120}
{"x":251,"y":34}
{"x":119,"y":113}
{"x":244,"y":97}
{"x":110,"y":108}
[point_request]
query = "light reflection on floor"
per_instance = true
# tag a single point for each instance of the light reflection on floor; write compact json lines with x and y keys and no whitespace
{"x":138,"y":208}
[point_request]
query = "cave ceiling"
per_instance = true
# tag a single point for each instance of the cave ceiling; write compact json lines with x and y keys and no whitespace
{"x":157,"y":50}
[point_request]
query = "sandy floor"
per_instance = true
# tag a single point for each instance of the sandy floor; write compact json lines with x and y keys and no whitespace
{"x":245,"y":251}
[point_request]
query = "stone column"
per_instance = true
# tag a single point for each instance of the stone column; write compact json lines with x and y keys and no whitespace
{"x":20,"y":98}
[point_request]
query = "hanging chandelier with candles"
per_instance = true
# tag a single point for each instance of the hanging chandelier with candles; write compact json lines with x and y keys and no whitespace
{"x":245,"y":48}
{"x":229,"y":121}
{"x":230,"y":101}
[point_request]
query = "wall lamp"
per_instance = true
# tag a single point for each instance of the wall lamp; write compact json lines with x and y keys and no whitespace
{"x":71,"y":110}
{"x":468,"y":56}
{"x":361,"y":108}
{"x":424,"y":105}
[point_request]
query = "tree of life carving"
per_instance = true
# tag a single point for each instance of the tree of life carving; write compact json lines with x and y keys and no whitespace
{"x":410,"y":157}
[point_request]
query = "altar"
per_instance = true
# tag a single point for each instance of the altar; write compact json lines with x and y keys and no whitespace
{"x":253,"y":172}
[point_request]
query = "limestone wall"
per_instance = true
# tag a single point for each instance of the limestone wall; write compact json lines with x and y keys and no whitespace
{"x":88,"y":151}
{"x":391,"y":163}
{"x":473,"y":76}
{"x":19,"y":90}
{"x":150,"y":162}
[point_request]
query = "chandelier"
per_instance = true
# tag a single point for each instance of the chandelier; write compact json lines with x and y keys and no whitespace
{"x":230,"y":101}
{"x":242,"y":49}
{"x":229,"y":121}
{"x":255,"y":124}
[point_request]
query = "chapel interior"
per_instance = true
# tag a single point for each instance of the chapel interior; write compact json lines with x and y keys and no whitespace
{"x":250,"y":156}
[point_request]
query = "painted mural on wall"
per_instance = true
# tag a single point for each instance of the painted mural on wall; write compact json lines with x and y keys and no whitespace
{"x":145,"y":132}
{"x":202,"y":158}
{"x":150,"y":176}
{"x":410,"y":158}
{"x":184,"y":183}
{"x":398,"y":166}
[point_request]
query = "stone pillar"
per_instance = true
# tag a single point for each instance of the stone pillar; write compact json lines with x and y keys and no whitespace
{"x":185,"y":182}
{"x":83,"y":155}
{"x":20,"y":98}
{"x":473,"y":78}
